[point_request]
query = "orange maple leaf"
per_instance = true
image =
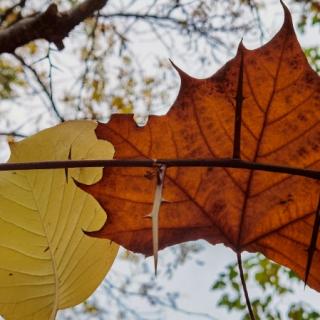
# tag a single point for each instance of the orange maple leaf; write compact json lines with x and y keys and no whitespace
{"x":262,"y":106}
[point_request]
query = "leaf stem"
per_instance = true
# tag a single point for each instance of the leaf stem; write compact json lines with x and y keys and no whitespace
{"x":219,"y":163}
{"x":244,"y":287}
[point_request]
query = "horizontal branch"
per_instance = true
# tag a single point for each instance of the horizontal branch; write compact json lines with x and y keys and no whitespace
{"x":143,"y":17}
{"x":50,"y":25}
{"x":220,"y":163}
{"x":13,"y":134}
{"x":183,"y":23}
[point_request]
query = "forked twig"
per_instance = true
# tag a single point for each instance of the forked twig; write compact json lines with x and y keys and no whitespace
{"x":244,"y":287}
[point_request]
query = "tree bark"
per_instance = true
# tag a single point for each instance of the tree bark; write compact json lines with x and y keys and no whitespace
{"x":50,"y":25}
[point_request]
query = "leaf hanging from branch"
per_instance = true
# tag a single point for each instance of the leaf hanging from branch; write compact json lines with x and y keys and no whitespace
{"x":262,"y":106}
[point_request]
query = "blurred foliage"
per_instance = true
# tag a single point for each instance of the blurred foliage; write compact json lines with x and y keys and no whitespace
{"x":272,"y":284}
{"x":10,"y":79}
{"x":310,"y":14}
{"x":313,"y":55}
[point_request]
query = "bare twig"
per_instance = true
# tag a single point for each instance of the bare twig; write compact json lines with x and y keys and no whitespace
{"x":13,"y":134}
{"x":219,"y":163}
{"x":255,"y":10}
{"x":87,"y":60}
{"x":167,"y":18}
{"x":244,"y":287}
{"x":152,"y":297}
{"x":313,"y":243}
{"x":48,"y":92}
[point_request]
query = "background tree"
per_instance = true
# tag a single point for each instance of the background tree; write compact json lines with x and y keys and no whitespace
{"x":114,"y":59}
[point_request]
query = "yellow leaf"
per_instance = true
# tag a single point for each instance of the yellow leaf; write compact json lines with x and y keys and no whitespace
{"x":46,"y":261}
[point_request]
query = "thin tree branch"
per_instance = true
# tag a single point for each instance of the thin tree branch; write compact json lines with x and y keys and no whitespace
{"x":185,"y":26}
{"x":313,"y":243}
{"x":87,"y":60}
{"x":47,"y":91}
{"x":109,"y":286}
{"x":254,"y":8}
{"x":167,"y":18}
{"x":13,"y":134}
{"x":244,"y":287}
{"x":219,"y":163}
{"x":50,"y":25}
{"x":144,"y":17}
{"x":16,"y":131}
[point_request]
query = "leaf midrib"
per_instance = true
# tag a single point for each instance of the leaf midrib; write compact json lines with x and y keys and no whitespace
{"x":261,"y":135}
{"x":53,"y":262}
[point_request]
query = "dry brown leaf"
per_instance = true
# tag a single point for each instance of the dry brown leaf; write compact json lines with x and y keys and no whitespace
{"x":257,"y":211}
